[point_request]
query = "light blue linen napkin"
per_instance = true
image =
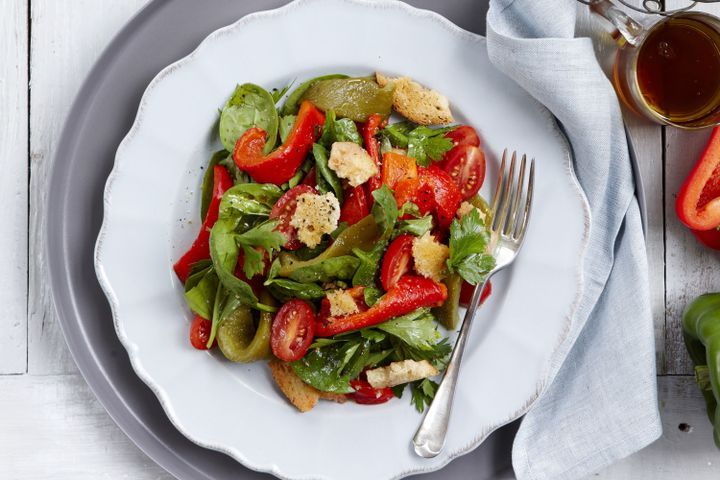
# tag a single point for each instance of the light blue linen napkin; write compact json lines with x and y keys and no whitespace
{"x":602,"y":404}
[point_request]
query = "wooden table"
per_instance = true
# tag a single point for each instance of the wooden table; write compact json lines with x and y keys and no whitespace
{"x":51,"y":425}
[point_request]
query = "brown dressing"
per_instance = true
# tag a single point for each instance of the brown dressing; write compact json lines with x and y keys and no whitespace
{"x":678,"y":70}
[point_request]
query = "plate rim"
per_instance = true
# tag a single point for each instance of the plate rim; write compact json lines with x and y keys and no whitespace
{"x":107,"y":289}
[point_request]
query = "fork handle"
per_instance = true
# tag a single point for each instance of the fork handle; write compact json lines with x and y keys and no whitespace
{"x":430,"y":436}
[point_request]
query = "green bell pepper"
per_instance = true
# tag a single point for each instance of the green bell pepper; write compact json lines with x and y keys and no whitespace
{"x":701,"y":331}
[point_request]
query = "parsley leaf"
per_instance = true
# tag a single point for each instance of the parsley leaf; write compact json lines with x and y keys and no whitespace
{"x":423,"y":392}
{"x":286,"y":124}
{"x":263,"y":236}
{"x":417,"y":329}
{"x":468,"y":248}
{"x":425,"y":144}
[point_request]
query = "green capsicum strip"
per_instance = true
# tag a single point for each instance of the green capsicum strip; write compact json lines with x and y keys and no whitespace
{"x":701,"y":331}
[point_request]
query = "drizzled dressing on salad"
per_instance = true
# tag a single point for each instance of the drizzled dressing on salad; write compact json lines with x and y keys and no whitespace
{"x":334,"y":242}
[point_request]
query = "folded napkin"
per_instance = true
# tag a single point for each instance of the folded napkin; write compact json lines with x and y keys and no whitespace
{"x":602,"y":402}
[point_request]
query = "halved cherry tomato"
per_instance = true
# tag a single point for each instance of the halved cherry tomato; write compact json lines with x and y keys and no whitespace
{"x":365,"y":394}
{"x":280,"y":165}
{"x":292,"y":330}
{"x":396,"y":168}
{"x":466,"y":166}
{"x":284,"y":210}
{"x":397,"y":261}
{"x":200,"y":332}
{"x":355,"y":207}
{"x":463,"y":135}
{"x":310,"y":178}
{"x":467,"y":290}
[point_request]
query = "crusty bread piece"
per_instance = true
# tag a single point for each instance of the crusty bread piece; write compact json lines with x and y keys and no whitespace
{"x":401,"y":372}
{"x":301,"y":395}
{"x":417,"y":103}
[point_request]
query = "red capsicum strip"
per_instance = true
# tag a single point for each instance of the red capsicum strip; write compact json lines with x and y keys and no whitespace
{"x":370,"y":130}
{"x":409,"y":294}
{"x":280,"y":165}
{"x":200,"y":249}
{"x":698,"y":203}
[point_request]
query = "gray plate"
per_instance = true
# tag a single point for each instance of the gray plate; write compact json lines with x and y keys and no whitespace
{"x":163,"y":32}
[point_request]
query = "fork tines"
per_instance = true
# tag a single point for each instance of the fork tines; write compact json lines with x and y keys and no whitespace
{"x":513,"y":198}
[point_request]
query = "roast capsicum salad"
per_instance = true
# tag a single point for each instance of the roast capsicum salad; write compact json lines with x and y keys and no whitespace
{"x":333,"y":240}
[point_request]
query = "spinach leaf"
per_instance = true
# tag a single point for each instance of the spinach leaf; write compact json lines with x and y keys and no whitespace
{"x":324,"y":171}
{"x":372,"y":295}
{"x":249,"y":106}
{"x":277,"y":94}
{"x":417,"y":227}
{"x":286,"y":124}
{"x":417,"y":329}
{"x":238,"y":175}
{"x":397,"y":134}
{"x":468,"y":248}
{"x":197,"y":272}
{"x":409,"y":208}
{"x":339,"y":130}
{"x":249,"y":199}
{"x":225,"y":303}
{"x":385,"y":210}
{"x":201,"y":295}
{"x":358,"y":361}
{"x":292,"y":104}
{"x":327,"y":270}
{"x":425,"y":144}
{"x":208,"y":182}
{"x":322,"y":369}
{"x":284,"y":290}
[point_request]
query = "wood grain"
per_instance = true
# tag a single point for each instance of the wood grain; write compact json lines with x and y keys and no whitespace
{"x":54,"y":428}
{"x":67,"y":38}
{"x":13,"y":185}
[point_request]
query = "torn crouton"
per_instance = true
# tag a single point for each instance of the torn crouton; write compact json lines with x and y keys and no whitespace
{"x":417,"y":103}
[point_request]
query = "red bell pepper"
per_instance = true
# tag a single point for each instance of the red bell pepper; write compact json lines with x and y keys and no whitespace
{"x":698,"y":203}
{"x":200,"y":249}
{"x":709,"y":238}
{"x":369,"y":131}
{"x":365,"y":394}
{"x":407,"y":295}
{"x":280,"y":165}
{"x":355,"y":207}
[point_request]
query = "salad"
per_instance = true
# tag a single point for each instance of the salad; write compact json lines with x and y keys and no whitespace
{"x":334,"y":243}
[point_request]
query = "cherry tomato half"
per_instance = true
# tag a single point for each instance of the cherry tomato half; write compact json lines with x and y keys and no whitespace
{"x":200,"y":332}
{"x":284,"y":210}
{"x":355,"y":207}
{"x":292,"y":330}
{"x":365,"y":394}
{"x":466,"y":166}
{"x":467,"y":290}
{"x":439,"y":189}
{"x":397,"y":261}
{"x":464,"y":135}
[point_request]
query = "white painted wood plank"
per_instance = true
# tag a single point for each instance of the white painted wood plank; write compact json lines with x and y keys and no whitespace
{"x":13,"y":185}
{"x":686,"y":449}
{"x":67,"y":38}
{"x":647,"y":139}
{"x":53,"y":428}
{"x":691,"y":268}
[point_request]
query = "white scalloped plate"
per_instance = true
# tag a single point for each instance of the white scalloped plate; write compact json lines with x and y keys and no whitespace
{"x":151,"y":211}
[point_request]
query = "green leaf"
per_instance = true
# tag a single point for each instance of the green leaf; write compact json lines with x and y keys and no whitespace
{"x":372,"y":295}
{"x":238,"y":175}
{"x":249,"y":106}
{"x":369,"y":265}
{"x":327,"y":270}
{"x":417,"y":329}
{"x":262,"y":236}
{"x":325,"y":172}
{"x":409,"y":208}
{"x":286,"y":124}
{"x":425,"y":144}
{"x":209,"y":181}
{"x":358,"y":361}
{"x":322,"y":369}
{"x":249,"y":199}
{"x":468,"y":248}
{"x":284,"y":290}
{"x":346,"y":131}
{"x":292,"y":104}
{"x":417,"y":227}
{"x":397,"y":134}
{"x":278,"y":94}
{"x":423,"y":392}
{"x":385,"y":210}
{"x":201,"y":295}
{"x":197,"y":272}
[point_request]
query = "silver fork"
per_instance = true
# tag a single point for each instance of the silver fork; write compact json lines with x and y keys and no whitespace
{"x":508,"y":226}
